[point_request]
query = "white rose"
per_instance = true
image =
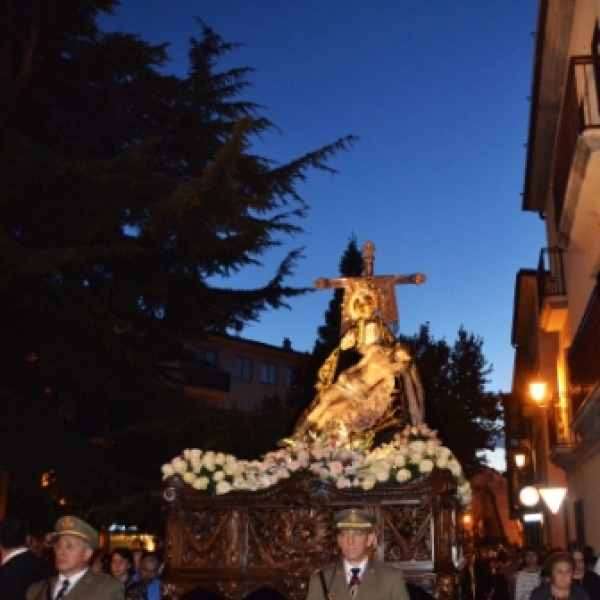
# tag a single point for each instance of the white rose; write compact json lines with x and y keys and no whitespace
{"x":209,"y":456}
{"x":399,"y":460}
{"x":454,"y":467}
{"x":223,"y":487}
{"x":417,"y":446}
{"x":464,"y":488}
{"x":403,"y":475}
{"x":442,"y":462}
{"x":196,"y":464}
{"x":368,"y":482}
{"x":382,"y":475}
{"x":218,"y":475}
{"x":231,"y":460}
{"x":187,"y":454}
{"x":195,"y":454}
{"x":220,"y":459}
{"x":179,"y":465}
{"x":415,"y":458}
{"x":167,"y":470}
{"x":342,"y":483}
{"x":201,"y":483}
{"x":209,"y":466}
{"x":189,"y":478}
{"x":442,"y":451}
{"x":335,"y":467}
{"x":430,"y":447}
{"x":229,"y":469}
{"x":303,"y":456}
{"x":426,"y":466}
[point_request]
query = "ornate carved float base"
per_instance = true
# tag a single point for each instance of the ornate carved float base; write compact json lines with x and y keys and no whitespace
{"x":234,"y":544}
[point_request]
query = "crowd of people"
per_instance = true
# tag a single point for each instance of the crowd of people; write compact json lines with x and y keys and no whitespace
{"x":78,"y":567}
{"x":531,"y":574}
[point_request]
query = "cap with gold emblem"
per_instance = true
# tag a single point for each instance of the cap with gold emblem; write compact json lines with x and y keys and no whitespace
{"x":78,"y":528}
{"x":354,"y":518}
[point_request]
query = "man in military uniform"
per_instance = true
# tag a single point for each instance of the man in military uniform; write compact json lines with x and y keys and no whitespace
{"x":357,"y":576}
{"x":74,"y":543}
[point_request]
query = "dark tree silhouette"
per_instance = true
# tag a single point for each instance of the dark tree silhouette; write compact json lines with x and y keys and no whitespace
{"x":125,"y":194}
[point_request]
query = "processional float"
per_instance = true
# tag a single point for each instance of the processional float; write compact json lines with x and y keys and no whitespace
{"x":235,"y":527}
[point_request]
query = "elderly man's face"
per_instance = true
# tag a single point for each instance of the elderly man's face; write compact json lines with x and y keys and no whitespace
{"x":72,"y":555}
{"x":355,"y":544}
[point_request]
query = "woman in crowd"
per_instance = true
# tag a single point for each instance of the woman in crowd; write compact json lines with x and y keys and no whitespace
{"x":121,"y":568}
{"x":587,"y":579}
{"x":529,"y":577}
{"x":560,"y":567}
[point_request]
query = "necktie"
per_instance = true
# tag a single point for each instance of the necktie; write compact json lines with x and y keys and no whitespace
{"x":63,"y":590}
{"x":354,"y":580}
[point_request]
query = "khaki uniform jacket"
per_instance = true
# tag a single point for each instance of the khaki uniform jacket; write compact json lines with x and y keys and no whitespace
{"x":92,"y":586}
{"x":379,"y":582}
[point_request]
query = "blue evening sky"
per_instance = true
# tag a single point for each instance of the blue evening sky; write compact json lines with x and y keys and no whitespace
{"x":437,"y":91}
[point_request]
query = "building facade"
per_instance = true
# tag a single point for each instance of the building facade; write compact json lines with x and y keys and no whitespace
{"x":556,"y":321}
{"x":234,"y":372}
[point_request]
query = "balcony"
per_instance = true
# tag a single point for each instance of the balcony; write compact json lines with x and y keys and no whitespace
{"x":580,"y":113}
{"x":583,"y":358}
{"x":552,"y":293}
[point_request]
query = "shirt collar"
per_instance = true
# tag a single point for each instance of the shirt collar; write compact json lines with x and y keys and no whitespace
{"x":72,"y":580}
{"x":14,"y":553}
{"x":362,"y":566}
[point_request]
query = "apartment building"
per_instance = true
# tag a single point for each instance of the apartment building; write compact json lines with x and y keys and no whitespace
{"x":556,"y":322}
{"x":231,"y":371}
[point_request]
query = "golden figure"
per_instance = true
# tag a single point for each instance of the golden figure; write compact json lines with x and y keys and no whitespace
{"x":362,"y":396}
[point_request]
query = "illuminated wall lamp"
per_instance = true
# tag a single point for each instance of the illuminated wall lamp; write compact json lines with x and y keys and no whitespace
{"x":529,"y":496}
{"x":520,"y":459}
{"x":537,"y":389}
{"x":553,"y":498}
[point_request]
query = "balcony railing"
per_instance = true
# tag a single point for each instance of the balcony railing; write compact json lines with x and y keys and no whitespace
{"x":550,"y":275}
{"x":583,"y":358}
{"x":580,"y":111}
{"x":560,"y":435}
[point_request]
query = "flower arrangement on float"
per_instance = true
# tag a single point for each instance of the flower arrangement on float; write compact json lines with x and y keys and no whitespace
{"x":346,"y":461}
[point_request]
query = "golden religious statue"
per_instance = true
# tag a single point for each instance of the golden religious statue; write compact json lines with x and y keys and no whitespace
{"x":363,"y":394}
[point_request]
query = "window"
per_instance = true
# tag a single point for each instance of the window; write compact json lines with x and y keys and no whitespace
{"x":268,"y":373}
{"x":209,"y":355}
{"x":243,"y":368}
{"x":289,"y":376}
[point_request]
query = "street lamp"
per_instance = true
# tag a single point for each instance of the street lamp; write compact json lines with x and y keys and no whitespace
{"x":529,"y":496}
{"x":553,"y":497}
{"x":520,"y":459}
{"x":537,"y":389}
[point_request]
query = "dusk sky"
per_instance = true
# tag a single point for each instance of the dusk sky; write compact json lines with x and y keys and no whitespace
{"x":437,"y":91}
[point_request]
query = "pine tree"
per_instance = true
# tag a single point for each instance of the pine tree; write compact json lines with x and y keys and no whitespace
{"x":125,"y":193}
{"x":466,"y":417}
